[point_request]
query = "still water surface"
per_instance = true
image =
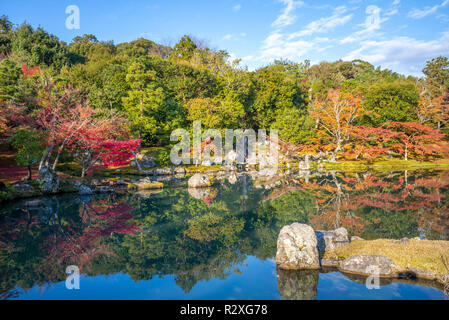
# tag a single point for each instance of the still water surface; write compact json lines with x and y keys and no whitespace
{"x":215,"y":243}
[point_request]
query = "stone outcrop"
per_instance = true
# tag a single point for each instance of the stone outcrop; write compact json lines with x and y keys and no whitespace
{"x":297,"y":248}
{"x":23,"y":188}
{"x":146,"y":184}
{"x":331,"y":240}
{"x":162,"y":172}
{"x":147,"y":162}
{"x":369,"y":265}
{"x":200,"y":181}
{"x":48,"y":179}
{"x":179,"y":172}
{"x":85,"y":190}
{"x":103,"y":189}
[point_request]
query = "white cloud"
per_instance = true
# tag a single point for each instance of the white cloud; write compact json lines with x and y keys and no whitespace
{"x":421,"y":13}
{"x":372,"y":24}
{"x":237,"y":7}
{"x":280,"y":46}
{"x":230,"y":36}
{"x":394,"y":9}
{"x":324,"y":24}
{"x":403,"y":54}
{"x":287,"y":17}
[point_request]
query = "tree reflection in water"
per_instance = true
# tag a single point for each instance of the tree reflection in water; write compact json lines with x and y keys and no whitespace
{"x":204,"y":234}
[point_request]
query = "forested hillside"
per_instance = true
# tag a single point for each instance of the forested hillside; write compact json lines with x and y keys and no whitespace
{"x":64,"y":95}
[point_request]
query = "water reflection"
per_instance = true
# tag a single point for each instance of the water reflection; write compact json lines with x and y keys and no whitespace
{"x":199,"y":235}
{"x":298,"y":285}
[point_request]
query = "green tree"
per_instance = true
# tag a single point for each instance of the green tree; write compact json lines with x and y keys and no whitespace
{"x":277,"y":87}
{"x":437,"y":72}
{"x":29,"y":148}
{"x":144,"y":99}
{"x":10,"y":75}
{"x":294,"y":126}
{"x":391,"y":101}
{"x":5,"y":35}
{"x":184,"y":49}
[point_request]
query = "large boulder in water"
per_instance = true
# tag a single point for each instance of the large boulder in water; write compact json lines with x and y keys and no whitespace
{"x":331,"y":240}
{"x":48,"y":179}
{"x":200,"y":181}
{"x":297,"y":248}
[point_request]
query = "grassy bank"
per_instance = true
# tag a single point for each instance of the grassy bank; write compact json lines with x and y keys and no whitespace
{"x":426,"y":255}
{"x":386,"y":165}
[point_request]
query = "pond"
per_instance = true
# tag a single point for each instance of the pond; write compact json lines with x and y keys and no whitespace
{"x":216,"y":243}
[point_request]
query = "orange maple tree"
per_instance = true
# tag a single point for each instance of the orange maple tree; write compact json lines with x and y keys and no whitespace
{"x":335,"y":117}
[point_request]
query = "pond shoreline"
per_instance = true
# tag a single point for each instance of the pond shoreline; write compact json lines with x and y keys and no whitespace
{"x":7,"y":192}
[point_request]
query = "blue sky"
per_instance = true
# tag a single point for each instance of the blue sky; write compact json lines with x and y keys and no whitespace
{"x":396,"y":34}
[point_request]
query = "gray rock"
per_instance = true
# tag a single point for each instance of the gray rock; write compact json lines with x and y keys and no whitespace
{"x":179,"y":170}
{"x":355,"y":238}
{"x":368,"y":265}
{"x":48,"y":180}
{"x":163,"y":172}
{"x":147,"y":184}
{"x":199,"y":181}
{"x":331,"y":240}
{"x":147,"y":162}
{"x":297,"y":248}
{"x":85,"y":190}
{"x":76,"y":183}
{"x":23,"y":188}
{"x":329,"y":263}
{"x":103,"y":189}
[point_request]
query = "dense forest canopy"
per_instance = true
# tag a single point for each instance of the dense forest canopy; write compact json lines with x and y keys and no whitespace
{"x":151,"y":89}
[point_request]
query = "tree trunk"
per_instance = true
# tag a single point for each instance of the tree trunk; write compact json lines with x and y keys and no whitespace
{"x":30,"y":173}
{"x":334,"y":154}
{"x":137,"y":162}
{"x":57,"y":157}
{"x":406,"y":153}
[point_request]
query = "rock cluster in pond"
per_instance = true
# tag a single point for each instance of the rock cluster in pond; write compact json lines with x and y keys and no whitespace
{"x":297,"y":248}
{"x":200,"y":181}
{"x":331,"y":240}
{"x":48,"y":179}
